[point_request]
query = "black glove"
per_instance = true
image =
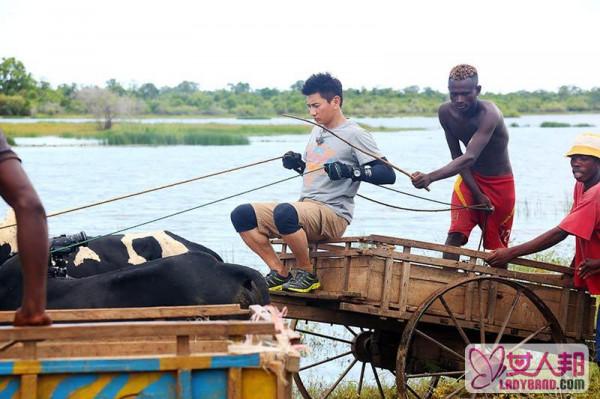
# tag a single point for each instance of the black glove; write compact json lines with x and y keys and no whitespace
{"x":337,"y":171}
{"x":293,"y":160}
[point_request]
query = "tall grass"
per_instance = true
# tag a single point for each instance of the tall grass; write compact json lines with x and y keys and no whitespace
{"x":154,"y":134}
{"x":161,"y":134}
{"x":444,"y":388}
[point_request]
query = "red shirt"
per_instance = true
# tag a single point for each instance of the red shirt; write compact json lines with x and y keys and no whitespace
{"x":584,"y":223}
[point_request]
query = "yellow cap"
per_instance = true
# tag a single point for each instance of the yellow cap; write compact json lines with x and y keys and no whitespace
{"x":586,"y":144}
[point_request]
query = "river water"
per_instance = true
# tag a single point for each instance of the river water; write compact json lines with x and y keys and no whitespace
{"x":67,"y":176}
{"x":69,"y":173}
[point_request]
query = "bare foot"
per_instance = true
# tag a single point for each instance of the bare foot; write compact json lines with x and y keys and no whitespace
{"x":31,"y":319}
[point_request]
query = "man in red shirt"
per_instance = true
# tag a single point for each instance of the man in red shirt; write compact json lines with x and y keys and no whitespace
{"x":583,"y":221}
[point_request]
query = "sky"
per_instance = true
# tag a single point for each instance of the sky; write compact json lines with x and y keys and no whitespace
{"x":515,"y":44}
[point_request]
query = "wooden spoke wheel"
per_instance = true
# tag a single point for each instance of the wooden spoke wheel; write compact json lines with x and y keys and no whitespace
{"x":473,"y":310}
{"x":338,"y":350}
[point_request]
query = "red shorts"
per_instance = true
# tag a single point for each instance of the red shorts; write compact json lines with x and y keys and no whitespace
{"x":501,"y":192}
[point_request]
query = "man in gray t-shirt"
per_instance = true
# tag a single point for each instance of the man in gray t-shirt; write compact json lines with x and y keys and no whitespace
{"x":332,"y":172}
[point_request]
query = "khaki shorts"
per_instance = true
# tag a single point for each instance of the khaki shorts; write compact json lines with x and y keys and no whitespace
{"x":318,"y":220}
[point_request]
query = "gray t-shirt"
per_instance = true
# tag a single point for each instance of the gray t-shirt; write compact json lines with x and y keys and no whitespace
{"x":322,"y":148}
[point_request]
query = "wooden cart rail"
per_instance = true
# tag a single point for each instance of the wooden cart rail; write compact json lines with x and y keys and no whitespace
{"x":164,"y":312}
{"x":183,"y":329}
{"x":387,"y":276}
{"x":201,"y":362}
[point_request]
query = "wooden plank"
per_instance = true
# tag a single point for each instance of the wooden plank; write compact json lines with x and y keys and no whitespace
{"x":579,"y":312}
{"x":320,"y":295}
{"x":30,"y":350}
{"x":204,"y":329}
{"x":234,"y":383}
{"x":323,"y":254}
{"x":563,"y":312}
{"x":164,"y":312}
{"x":405,"y":272}
{"x":387,"y":288}
{"x":467,"y":252}
{"x":183,"y":345}
{"x":184,"y":384}
{"x":491,"y":302}
{"x":53,"y":349}
{"x":540,"y":278}
{"x":375,"y":310}
{"x":348,"y":267}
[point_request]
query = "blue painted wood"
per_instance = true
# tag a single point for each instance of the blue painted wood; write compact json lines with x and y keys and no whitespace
{"x":209,"y":384}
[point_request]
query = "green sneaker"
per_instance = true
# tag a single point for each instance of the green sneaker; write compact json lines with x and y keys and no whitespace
{"x":275,"y":280}
{"x":302,"y":281}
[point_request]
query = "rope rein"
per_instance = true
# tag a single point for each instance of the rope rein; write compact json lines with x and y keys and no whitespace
{"x":184,"y":211}
{"x":125,"y":196}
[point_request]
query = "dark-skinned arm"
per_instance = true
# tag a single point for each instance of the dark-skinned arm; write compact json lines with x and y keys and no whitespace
{"x":500,"y":257}
{"x":467,"y":175}
{"x":465,"y":161}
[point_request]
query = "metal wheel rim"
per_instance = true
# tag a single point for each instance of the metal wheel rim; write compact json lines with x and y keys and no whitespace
{"x":304,"y":391}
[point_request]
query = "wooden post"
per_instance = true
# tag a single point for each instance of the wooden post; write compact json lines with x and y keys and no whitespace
{"x":386,"y":292}
{"x":183,"y":345}
{"x":315,"y":264}
{"x":491,"y":304}
{"x":579,"y":311}
{"x":184,"y":384}
{"x":234,"y":383}
{"x":348,"y":266}
{"x":29,"y":350}
{"x":563,"y":311}
{"x":404,"y":282}
{"x":28,"y":386}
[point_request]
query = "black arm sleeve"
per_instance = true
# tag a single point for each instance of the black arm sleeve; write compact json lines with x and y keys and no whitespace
{"x":380,"y":173}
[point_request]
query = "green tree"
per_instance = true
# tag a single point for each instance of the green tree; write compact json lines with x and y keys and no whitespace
{"x":147,"y":91}
{"x":14,"y":78}
{"x":115,"y":87}
{"x":186,"y":87}
{"x":239,"y":87}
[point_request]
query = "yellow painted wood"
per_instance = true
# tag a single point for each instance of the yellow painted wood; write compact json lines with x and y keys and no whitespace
{"x":258,"y":384}
{"x":185,"y":362}
{"x":137,"y":382}
{"x":29,"y":386}
{"x":93,"y":389}
{"x":27,"y":367}
{"x":234,"y":383}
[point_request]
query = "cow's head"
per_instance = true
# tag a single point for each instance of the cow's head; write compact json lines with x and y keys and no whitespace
{"x":8,"y":236}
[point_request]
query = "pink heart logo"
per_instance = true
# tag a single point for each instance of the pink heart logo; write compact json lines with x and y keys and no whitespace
{"x":486,"y":367}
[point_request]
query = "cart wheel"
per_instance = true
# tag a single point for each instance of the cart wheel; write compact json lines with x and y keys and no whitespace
{"x":350,"y":344}
{"x":430,"y":350}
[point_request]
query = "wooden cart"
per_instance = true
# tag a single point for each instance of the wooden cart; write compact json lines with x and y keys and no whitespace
{"x":407,"y":310}
{"x":166,"y":353}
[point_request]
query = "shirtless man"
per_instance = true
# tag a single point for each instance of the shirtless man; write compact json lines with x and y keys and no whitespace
{"x":32,"y":236}
{"x":484,"y":167}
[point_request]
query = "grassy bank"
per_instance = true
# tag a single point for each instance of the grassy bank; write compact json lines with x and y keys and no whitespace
{"x":159,"y":134}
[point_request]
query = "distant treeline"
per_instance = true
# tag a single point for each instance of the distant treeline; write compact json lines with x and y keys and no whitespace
{"x":21,"y":95}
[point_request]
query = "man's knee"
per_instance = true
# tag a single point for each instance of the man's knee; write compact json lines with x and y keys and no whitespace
{"x":286,"y":219}
{"x":243,"y":218}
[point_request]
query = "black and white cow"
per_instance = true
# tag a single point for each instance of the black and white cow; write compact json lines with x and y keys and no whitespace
{"x":117,"y":251}
{"x":191,"y":278}
{"x":104,"y":253}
